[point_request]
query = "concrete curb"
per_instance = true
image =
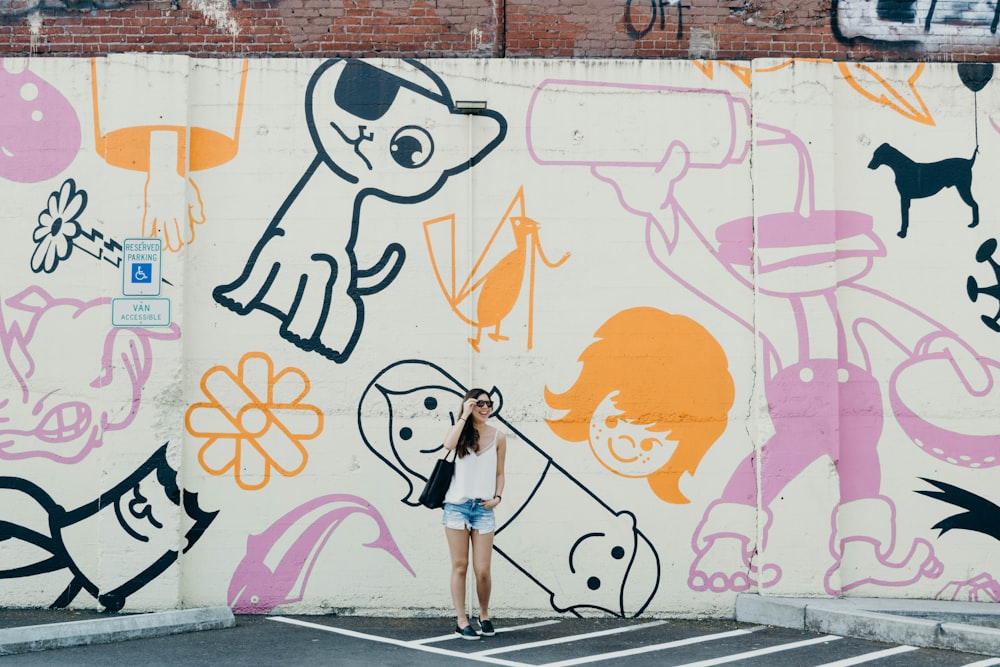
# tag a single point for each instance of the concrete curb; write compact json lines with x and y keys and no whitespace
{"x":115,"y":628}
{"x":954,"y":626}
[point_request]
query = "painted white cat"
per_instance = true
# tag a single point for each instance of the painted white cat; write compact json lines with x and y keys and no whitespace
{"x":387,"y":129}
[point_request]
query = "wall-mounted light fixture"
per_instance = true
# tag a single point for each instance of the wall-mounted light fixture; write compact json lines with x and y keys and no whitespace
{"x":470,"y":106}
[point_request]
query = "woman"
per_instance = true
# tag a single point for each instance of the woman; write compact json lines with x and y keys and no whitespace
{"x":476,"y":488}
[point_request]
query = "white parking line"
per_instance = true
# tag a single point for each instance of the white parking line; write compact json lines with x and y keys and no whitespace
{"x":701,"y":663}
{"x":655,"y":647}
{"x":397,"y":642}
{"x":454,"y":635}
{"x":868,"y":657}
{"x":984,"y":663}
{"x":569,"y":638}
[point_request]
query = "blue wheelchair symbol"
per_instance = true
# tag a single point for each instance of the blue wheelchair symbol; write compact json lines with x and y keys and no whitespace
{"x":142,"y":272}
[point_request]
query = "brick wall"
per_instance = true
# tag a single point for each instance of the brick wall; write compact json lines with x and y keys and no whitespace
{"x":698,"y":29}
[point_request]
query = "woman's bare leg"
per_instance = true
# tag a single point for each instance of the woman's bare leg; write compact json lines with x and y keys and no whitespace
{"x":482,"y":553}
{"x":458,"y":548}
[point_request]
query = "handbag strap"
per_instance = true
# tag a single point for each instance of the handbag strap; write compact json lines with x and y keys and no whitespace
{"x":447,"y":453}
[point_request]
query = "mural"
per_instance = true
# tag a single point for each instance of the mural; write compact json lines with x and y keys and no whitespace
{"x":597,"y":558}
{"x":272,"y":574}
{"x":739,"y":321}
{"x":254,"y":421}
{"x":986,"y":254}
{"x":141,"y":507}
{"x":166,"y":152}
{"x":375,"y":133}
{"x":653,"y":396}
{"x":40,"y":133}
{"x":496,"y":280}
{"x":47,"y":408}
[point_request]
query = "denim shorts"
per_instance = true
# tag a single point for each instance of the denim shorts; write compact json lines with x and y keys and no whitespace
{"x":469,"y":515}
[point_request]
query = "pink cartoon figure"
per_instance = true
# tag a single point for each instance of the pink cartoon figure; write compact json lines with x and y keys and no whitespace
{"x":70,"y":377}
{"x":822,"y":379}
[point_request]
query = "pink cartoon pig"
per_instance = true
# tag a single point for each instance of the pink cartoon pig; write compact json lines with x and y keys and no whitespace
{"x":67,"y":376}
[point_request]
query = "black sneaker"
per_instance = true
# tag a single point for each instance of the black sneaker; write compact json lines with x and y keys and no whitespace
{"x":486,"y":628}
{"x":467,"y":632}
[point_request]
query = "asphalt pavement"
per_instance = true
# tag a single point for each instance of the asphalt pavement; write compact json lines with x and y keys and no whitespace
{"x":766,"y":632}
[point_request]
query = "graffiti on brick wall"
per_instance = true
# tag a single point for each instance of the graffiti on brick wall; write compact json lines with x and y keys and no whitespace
{"x":18,"y":9}
{"x":907,"y":21}
{"x":643,"y":16}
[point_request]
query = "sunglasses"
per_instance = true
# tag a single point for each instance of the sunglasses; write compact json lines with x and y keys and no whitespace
{"x":484,"y":404}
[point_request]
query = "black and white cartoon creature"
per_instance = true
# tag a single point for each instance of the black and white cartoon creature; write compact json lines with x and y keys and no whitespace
{"x":45,"y":537}
{"x":389,"y":130}
{"x":593,"y":559}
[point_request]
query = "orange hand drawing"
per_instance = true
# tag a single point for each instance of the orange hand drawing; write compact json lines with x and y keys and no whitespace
{"x":172,"y":203}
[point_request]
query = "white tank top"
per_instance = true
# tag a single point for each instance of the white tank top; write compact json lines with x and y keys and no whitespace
{"x":475,"y":475}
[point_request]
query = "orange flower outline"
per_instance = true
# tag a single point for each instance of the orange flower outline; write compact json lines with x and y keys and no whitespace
{"x":272,"y":412}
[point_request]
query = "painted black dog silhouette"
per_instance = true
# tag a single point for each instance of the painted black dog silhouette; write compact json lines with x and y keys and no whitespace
{"x":916,"y":180}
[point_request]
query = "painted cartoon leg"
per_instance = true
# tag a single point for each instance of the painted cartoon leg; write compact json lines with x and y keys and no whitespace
{"x":311,"y":306}
{"x":496,"y":335}
{"x":864,"y":548}
{"x":342,"y":315}
{"x":260,"y":272}
{"x":725,"y":548}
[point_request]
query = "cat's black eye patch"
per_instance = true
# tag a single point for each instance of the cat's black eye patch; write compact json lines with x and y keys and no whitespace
{"x":366,"y":91}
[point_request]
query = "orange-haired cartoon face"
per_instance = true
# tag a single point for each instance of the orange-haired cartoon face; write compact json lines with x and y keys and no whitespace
{"x":653,"y":396}
{"x":624,"y":447}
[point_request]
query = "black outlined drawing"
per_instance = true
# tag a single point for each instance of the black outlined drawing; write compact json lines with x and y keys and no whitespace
{"x":139,"y":504}
{"x":592,"y":557}
{"x":980,"y":515}
{"x":985,"y":256}
{"x":389,"y":134}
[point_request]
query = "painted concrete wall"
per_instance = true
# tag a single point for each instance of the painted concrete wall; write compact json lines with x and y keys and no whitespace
{"x":721,"y":363}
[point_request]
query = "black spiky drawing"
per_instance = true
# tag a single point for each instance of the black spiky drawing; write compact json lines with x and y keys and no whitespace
{"x":981,"y":515}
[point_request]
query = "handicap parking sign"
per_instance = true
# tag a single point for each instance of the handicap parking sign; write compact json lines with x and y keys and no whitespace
{"x":141,"y":267}
{"x":142,"y":272}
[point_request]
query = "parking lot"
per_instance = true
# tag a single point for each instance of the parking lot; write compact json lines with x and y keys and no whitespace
{"x":554,"y":642}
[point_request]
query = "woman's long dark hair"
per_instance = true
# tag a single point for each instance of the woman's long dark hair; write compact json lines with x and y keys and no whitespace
{"x":468,"y":439}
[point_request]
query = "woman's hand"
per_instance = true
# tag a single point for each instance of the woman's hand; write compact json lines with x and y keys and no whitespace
{"x":467,"y":408}
{"x":491,"y":503}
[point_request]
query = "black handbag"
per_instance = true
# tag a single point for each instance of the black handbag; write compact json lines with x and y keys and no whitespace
{"x":437,"y":485}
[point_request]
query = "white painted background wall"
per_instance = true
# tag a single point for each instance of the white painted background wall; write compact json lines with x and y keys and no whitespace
{"x":841,"y":113}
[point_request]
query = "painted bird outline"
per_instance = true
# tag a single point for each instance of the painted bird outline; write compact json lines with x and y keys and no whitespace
{"x":497,"y":277}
